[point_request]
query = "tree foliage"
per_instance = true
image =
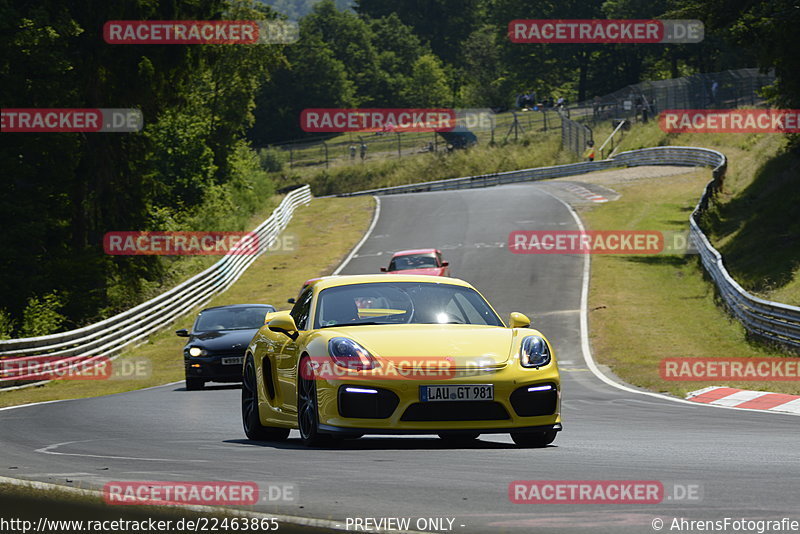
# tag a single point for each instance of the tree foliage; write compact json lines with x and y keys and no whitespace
{"x":191,"y":168}
{"x":62,"y":192}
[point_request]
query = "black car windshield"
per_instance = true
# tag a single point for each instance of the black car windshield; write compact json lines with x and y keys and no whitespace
{"x":239,"y":318}
{"x":412,"y":261}
{"x":402,"y":303}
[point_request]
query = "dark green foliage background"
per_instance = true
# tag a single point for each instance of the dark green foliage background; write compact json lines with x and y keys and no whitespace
{"x":192,"y":167}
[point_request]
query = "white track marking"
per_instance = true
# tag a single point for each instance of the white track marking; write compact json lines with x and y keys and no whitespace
{"x":586,"y":348}
{"x":363,"y":239}
{"x":50,"y":450}
{"x":584,"y":193}
{"x":789,"y":403}
{"x":791,"y":407}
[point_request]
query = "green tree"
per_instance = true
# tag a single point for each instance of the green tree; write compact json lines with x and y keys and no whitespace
{"x":351,"y":41}
{"x":486,"y":79}
{"x":7,"y":325}
{"x":41,"y":316}
{"x":428,"y":84}
{"x":311,"y":78}
{"x":65,"y":191}
{"x":441,"y":24}
{"x":398,"y":48}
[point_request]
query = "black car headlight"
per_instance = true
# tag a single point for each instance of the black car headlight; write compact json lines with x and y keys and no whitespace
{"x":197,"y":351}
{"x":534,"y":352}
{"x":348,"y":354}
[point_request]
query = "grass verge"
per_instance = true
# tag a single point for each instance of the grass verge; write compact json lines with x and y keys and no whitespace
{"x":321,"y":242}
{"x":754,"y":222}
{"x":534,"y":149}
{"x":645,"y":308}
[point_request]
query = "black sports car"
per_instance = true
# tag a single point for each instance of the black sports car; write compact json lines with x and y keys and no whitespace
{"x":217,"y":342}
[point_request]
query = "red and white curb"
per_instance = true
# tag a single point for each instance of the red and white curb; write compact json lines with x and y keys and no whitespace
{"x":585,"y":193}
{"x":742,"y":398}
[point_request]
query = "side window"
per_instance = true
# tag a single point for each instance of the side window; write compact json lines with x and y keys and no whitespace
{"x":302,"y":309}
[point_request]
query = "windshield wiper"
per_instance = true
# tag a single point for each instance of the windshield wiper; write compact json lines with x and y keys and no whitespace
{"x":354,"y":324}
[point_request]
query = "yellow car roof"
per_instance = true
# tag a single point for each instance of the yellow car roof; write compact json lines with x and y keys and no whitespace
{"x":350,"y":279}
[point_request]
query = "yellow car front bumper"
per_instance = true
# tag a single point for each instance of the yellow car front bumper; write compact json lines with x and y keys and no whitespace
{"x":395,"y":406}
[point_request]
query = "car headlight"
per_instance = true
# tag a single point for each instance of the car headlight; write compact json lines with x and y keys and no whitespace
{"x":348,"y":354}
{"x":197,"y":351}
{"x":534,"y":352}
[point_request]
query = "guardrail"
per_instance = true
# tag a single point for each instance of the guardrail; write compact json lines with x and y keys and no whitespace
{"x":773,"y":321}
{"x":109,"y":336}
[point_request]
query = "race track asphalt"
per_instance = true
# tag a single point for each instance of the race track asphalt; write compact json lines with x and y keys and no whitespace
{"x":747,"y":464}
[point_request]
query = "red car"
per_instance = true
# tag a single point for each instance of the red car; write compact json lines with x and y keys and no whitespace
{"x":418,"y":261}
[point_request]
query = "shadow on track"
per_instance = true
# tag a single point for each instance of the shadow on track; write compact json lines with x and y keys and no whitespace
{"x":218,"y":387}
{"x":383,"y":443}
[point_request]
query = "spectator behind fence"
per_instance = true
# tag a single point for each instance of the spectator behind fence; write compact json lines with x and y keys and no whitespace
{"x":714,"y":88}
{"x":589,"y":154}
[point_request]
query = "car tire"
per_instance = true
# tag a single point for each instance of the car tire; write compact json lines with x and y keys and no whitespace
{"x":457,"y":438}
{"x":307,"y":409}
{"x":534,"y":440}
{"x":194,"y":384}
{"x":253,"y":428}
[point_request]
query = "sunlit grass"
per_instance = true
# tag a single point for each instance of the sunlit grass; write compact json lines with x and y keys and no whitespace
{"x":646,"y":308}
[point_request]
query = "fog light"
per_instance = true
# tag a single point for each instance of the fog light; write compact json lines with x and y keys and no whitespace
{"x":360,"y":390}
{"x":540,"y":388}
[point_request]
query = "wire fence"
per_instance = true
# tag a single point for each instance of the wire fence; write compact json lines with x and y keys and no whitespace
{"x":575,"y":136}
{"x":356,"y":147}
{"x":634,"y":103}
{"x":643,"y":101}
{"x":640,"y":102}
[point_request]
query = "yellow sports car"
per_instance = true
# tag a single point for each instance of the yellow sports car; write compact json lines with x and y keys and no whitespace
{"x":399,"y":354}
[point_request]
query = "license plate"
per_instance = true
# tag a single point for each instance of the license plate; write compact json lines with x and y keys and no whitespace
{"x":456,"y":393}
{"x":233,"y":361}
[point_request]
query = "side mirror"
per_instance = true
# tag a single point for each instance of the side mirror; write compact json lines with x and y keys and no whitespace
{"x":268,"y":317}
{"x":283,"y":322}
{"x":182,"y":332}
{"x":291,"y":300}
{"x":445,"y":264}
{"x":384,"y":269}
{"x":518,"y":320}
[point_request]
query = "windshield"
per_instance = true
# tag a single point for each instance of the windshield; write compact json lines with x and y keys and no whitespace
{"x":402,"y":303}
{"x":232,"y":318}
{"x":412,"y":261}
